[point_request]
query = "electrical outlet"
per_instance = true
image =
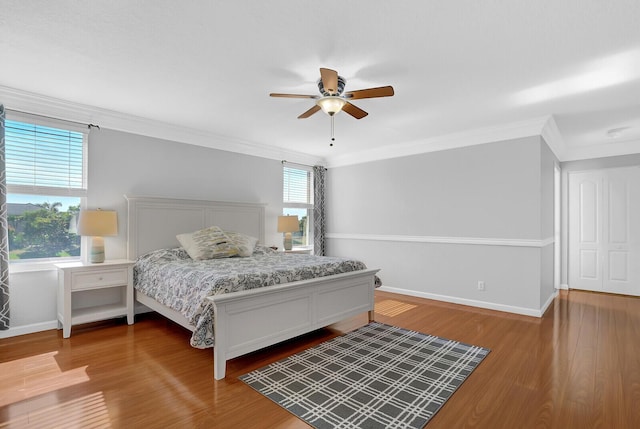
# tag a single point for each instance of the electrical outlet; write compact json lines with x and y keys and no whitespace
{"x":480,"y":285}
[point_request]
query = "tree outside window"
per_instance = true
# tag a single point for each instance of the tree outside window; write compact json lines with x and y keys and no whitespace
{"x":42,"y":230}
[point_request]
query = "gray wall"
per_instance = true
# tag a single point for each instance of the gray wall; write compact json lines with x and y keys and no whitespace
{"x":493,"y":191}
{"x":548,"y":162}
{"x":122,"y":163}
{"x":404,"y":215}
{"x":490,"y":190}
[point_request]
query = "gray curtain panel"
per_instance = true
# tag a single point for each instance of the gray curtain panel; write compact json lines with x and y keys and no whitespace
{"x":319,"y":221}
{"x":4,"y":238}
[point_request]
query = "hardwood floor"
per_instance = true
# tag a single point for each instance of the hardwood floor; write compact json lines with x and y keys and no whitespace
{"x":577,"y":367}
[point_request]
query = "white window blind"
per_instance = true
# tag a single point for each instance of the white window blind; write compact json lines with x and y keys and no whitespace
{"x":298,"y":186}
{"x":44,"y":159}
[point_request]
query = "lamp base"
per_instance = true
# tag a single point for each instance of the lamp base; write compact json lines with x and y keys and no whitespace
{"x":288,"y":242}
{"x":96,"y":253}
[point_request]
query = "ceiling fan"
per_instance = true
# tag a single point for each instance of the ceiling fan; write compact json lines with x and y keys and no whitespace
{"x":332,"y":100}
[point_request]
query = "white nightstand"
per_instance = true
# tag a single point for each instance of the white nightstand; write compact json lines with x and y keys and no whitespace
{"x":92,"y":279}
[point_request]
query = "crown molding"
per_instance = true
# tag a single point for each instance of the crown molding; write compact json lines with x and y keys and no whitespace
{"x":551,"y":135}
{"x":29,"y":102}
{"x":578,"y":153}
{"x":565,"y":152}
{"x":14,"y":99}
{"x":509,"y":131}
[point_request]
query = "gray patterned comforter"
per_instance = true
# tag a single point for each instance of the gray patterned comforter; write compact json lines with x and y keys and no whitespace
{"x":175,"y":280}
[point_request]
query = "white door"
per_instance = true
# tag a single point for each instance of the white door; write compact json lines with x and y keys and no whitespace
{"x":585,"y":235}
{"x":604,"y":230}
{"x":621,"y":270}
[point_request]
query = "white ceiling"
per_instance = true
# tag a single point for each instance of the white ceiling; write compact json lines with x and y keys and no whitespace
{"x":464,"y":71}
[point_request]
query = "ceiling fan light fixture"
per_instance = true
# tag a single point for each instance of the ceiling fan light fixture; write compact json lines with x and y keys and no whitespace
{"x":331,"y":104}
{"x":332,"y":99}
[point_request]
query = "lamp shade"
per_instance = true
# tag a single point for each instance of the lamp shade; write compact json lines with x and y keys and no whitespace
{"x":288,"y":224}
{"x":98,"y":223}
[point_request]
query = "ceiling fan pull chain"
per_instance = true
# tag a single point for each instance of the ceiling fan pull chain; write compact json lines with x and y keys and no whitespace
{"x":332,"y":131}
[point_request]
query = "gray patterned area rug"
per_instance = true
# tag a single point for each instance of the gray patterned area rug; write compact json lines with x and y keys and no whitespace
{"x":378,"y":376}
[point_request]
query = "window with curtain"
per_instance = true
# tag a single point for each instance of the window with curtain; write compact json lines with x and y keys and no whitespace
{"x":298,"y":200}
{"x":46,"y":181}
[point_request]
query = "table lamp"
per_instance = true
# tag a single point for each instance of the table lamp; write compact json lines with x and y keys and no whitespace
{"x":288,"y":224}
{"x":97,"y":224}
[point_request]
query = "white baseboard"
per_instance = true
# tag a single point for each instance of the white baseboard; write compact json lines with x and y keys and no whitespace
{"x":53,"y":324}
{"x":29,"y":329}
{"x":472,"y":302}
{"x":546,"y":305}
{"x":563,"y":286}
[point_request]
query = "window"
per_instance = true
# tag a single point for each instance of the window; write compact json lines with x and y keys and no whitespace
{"x":298,"y":200}
{"x":46,"y":182}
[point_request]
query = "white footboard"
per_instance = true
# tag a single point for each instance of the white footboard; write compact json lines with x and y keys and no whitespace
{"x":250,"y":320}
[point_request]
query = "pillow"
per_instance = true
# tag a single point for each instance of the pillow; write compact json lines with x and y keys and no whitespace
{"x":264,"y":250}
{"x":208,"y":243}
{"x":165,"y":255}
{"x":244,"y":243}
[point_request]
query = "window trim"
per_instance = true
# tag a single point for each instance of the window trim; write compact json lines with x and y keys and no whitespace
{"x":297,"y":205}
{"x":60,"y":124}
{"x":46,"y":264}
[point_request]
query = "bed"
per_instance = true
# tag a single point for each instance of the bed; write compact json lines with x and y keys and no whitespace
{"x":247,"y":320}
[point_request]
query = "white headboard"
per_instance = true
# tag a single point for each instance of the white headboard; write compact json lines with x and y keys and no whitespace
{"x":153,"y":223}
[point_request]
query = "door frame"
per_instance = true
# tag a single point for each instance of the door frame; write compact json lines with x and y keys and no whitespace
{"x":557,"y":226}
{"x":565,"y":215}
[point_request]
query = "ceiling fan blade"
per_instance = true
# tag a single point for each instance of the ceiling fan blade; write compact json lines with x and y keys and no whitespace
{"x":382,"y":91}
{"x":309,"y":112}
{"x":354,"y":111}
{"x":329,"y":80}
{"x":275,"y":94}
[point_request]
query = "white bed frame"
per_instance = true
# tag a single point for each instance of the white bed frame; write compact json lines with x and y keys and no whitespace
{"x":248,"y":320}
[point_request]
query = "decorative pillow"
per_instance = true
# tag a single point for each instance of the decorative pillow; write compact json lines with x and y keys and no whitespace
{"x":244,"y":243}
{"x":263,"y":250}
{"x":208,"y":243}
{"x":165,"y":255}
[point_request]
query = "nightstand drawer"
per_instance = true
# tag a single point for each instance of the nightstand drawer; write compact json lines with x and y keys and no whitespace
{"x":99,"y":279}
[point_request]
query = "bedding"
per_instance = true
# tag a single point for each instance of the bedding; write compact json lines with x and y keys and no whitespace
{"x":174,"y":279}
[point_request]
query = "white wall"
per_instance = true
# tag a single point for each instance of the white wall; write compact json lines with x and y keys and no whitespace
{"x":438,"y":223}
{"x":122,"y":163}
